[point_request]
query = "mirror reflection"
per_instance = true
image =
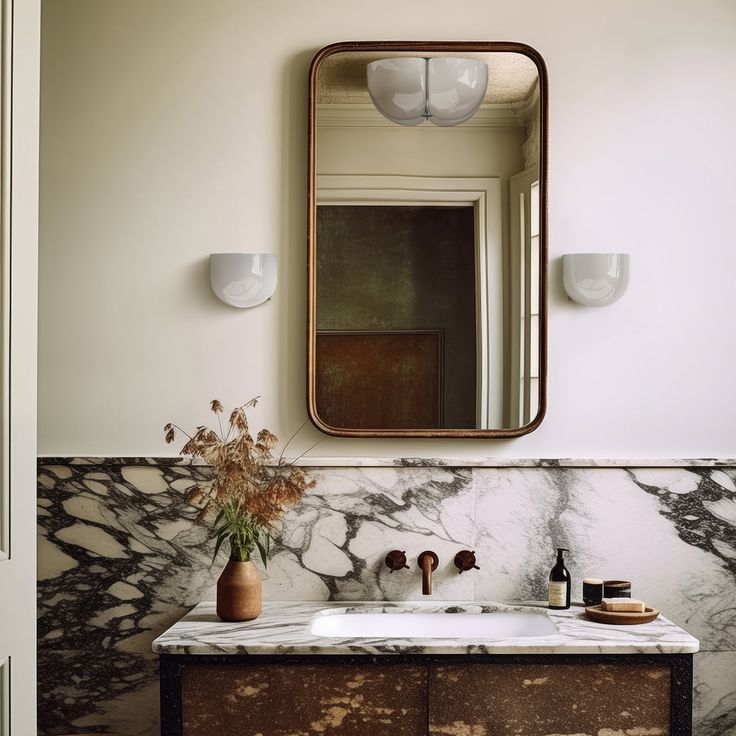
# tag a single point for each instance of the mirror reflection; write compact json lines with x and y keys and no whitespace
{"x":427,"y":255}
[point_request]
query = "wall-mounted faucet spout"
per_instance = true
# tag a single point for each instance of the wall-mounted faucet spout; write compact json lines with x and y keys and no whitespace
{"x":428,"y":562}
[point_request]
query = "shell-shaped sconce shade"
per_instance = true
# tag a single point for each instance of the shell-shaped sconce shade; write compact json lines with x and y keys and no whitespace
{"x":455,"y":89}
{"x":398,"y":88}
{"x":243,"y":279}
{"x":595,"y":279}
{"x":445,"y":90}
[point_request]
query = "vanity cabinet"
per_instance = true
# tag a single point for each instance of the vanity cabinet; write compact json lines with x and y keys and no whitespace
{"x":549,"y":698}
{"x":302,"y":698}
{"x":426,"y":695}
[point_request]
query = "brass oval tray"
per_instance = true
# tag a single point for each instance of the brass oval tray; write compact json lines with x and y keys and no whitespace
{"x":626,"y":618}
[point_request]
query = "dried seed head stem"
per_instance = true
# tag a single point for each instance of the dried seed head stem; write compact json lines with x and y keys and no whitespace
{"x":249,"y":492}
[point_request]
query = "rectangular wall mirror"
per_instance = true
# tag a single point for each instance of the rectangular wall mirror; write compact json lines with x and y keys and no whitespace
{"x":427,"y":302}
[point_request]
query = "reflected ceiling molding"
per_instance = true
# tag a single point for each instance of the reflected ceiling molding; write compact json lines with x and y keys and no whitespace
{"x":528,"y":111}
{"x":365,"y":115}
{"x":528,"y":108}
{"x":243,"y":279}
{"x":595,"y":279}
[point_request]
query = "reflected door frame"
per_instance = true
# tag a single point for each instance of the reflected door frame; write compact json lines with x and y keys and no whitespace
{"x":485,"y":195}
{"x":522,"y":303}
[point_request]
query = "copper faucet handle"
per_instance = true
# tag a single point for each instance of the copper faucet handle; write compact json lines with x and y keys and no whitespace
{"x":465,"y":560}
{"x":396,"y":560}
{"x":435,"y":559}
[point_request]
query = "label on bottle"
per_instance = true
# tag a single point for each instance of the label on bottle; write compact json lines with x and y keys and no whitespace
{"x":557,"y":593}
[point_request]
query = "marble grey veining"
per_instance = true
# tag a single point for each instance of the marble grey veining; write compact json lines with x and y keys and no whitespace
{"x":284,"y":628}
{"x":714,"y":697}
{"x":121,"y":559}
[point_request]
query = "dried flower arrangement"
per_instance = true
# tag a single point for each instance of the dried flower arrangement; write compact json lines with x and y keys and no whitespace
{"x":250,"y":490}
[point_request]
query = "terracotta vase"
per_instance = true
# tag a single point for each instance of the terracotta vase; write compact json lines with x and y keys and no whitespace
{"x":239,"y":592}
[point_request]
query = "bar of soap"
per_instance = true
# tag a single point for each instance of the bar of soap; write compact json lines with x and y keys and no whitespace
{"x":630,"y":605}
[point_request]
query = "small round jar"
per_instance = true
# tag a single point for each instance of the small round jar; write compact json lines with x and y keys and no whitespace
{"x":616,"y":589}
{"x":592,"y":591}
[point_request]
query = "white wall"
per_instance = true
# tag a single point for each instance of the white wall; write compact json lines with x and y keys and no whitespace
{"x":394,"y":151}
{"x":174,"y":128}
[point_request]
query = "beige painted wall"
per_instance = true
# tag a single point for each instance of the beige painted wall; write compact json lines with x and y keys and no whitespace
{"x":175,"y":128}
{"x":428,"y":151}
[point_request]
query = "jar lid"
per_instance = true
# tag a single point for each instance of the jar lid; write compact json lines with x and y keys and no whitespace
{"x":592,"y":581}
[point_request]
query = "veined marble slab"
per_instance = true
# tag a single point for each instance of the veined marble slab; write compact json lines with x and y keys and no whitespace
{"x":121,"y":558}
{"x":284,"y":628}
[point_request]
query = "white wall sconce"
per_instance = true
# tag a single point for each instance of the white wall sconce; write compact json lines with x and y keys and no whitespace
{"x":243,"y":279}
{"x":595,"y":279}
{"x":445,"y":90}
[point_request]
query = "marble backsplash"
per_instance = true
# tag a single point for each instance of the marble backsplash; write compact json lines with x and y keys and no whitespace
{"x":120,"y":559}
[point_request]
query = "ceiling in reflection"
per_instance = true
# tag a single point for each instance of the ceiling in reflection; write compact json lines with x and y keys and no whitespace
{"x":342,"y":77}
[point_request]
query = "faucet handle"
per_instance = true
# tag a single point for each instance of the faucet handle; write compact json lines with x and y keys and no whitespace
{"x":465,"y":560}
{"x":396,"y":560}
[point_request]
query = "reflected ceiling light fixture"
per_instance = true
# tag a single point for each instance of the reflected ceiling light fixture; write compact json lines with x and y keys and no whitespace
{"x":446,"y":90}
{"x":595,"y":279}
{"x":243,"y":279}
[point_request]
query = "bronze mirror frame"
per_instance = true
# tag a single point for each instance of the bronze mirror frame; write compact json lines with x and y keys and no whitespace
{"x":421,"y":47}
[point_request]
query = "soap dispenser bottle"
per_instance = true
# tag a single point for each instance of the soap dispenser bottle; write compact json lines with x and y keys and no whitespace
{"x":558,"y":590}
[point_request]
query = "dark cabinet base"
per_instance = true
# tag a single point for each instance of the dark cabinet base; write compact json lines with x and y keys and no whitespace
{"x":543,"y":699}
{"x":425,"y":695}
{"x":308,"y":698}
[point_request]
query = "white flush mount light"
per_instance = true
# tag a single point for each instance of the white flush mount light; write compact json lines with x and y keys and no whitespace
{"x":595,"y":279}
{"x":445,"y":90}
{"x":243,"y":279}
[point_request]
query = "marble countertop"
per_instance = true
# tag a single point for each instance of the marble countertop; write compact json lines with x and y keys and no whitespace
{"x":284,"y":628}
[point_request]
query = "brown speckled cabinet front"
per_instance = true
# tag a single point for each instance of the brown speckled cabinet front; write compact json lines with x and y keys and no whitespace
{"x":304,"y":700}
{"x":427,"y":697}
{"x":549,"y":699}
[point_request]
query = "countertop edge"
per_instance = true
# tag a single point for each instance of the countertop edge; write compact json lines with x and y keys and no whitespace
{"x":427,"y":651}
{"x":283,"y":630}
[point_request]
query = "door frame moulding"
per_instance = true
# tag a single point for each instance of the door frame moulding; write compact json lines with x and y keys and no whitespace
{"x":6,"y":110}
{"x":485,"y":196}
{"x":4,"y":697}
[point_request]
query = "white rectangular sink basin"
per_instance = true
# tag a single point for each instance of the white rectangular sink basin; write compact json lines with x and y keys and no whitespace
{"x":409,"y":624}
